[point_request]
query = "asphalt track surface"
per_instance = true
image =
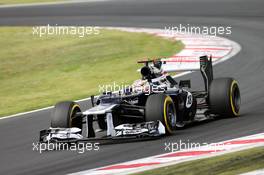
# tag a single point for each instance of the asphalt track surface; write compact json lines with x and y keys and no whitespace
{"x":247,"y":21}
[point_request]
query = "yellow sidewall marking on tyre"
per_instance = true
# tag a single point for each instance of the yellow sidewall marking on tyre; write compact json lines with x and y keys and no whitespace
{"x":231,"y":99}
{"x":72,"y":109}
{"x":167,"y":99}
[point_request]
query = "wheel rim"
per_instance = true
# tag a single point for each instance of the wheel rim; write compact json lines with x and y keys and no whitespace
{"x":236,"y":98}
{"x":75,"y":121}
{"x":170,"y":115}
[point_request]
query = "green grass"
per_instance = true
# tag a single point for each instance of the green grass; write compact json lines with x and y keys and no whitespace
{"x":228,"y":164}
{"x":4,"y":2}
{"x":38,"y":72}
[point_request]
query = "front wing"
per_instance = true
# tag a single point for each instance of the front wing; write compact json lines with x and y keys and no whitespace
{"x":123,"y":132}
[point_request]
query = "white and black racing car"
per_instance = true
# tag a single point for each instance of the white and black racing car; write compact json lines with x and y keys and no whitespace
{"x":153,"y":106}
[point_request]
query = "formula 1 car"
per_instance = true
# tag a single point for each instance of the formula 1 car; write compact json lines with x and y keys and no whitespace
{"x":153,"y":106}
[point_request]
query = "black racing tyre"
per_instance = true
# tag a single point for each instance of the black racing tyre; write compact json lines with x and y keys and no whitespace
{"x":161,"y":107}
{"x":101,"y":121}
{"x":64,"y":115}
{"x":224,"y":97}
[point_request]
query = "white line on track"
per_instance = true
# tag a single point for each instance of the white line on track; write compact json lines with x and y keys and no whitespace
{"x":49,"y":3}
{"x":257,"y":172}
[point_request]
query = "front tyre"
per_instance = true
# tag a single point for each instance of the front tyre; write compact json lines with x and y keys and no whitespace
{"x":65,"y":115}
{"x":161,"y":107}
{"x":224,"y":97}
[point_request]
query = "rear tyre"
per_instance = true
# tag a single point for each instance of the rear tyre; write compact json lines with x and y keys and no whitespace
{"x":224,"y":97}
{"x":64,"y":115}
{"x":161,"y":107}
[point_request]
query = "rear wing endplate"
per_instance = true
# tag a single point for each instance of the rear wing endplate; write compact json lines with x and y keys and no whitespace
{"x":206,"y":69}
